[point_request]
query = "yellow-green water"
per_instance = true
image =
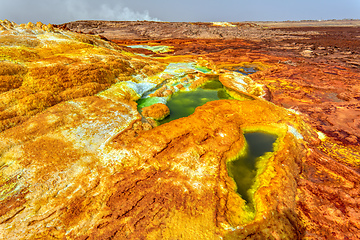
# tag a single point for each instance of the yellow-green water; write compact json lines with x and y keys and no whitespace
{"x":182,"y":104}
{"x":243,"y":169}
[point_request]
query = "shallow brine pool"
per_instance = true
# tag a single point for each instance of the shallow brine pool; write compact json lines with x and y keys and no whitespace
{"x":243,"y":169}
{"x":183,"y":104}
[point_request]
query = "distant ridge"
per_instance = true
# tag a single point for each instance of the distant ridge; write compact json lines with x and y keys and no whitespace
{"x":145,"y":30}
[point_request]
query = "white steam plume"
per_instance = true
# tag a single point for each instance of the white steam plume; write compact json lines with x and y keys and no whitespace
{"x":104,"y":10}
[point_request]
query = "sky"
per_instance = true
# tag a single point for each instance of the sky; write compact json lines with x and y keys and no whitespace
{"x":62,"y":11}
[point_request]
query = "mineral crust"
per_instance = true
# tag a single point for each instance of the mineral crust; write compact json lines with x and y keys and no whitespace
{"x":157,"y":111}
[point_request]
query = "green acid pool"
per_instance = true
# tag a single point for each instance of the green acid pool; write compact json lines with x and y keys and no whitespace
{"x":243,"y":169}
{"x":182,"y":104}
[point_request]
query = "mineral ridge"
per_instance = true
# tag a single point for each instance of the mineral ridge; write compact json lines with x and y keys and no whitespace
{"x":82,"y":154}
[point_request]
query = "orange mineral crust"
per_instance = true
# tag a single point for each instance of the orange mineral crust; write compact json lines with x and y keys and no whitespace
{"x":83,"y":154}
{"x":191,"y":153}
{"x":156,"y":111}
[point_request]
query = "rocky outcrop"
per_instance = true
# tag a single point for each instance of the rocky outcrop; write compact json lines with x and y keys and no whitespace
{"x":156,"y":111}
{"x":145,"y":30}
{"x":68,"y":180}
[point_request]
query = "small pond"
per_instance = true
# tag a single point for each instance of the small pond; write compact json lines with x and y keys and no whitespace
{"x":243,"y":169}
{"x":182,"y":104}
{"x":243,"y":70}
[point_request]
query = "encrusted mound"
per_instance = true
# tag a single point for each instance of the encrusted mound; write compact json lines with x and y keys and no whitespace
{"x":157,"y":111}
{"x":195,"y":150}
{"x":168,"y":181}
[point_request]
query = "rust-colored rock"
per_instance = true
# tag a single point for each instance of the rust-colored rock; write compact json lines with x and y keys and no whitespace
{"x":156,"y":111}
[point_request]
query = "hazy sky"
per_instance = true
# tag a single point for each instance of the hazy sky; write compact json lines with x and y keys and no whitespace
{"x":61,"y":11}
